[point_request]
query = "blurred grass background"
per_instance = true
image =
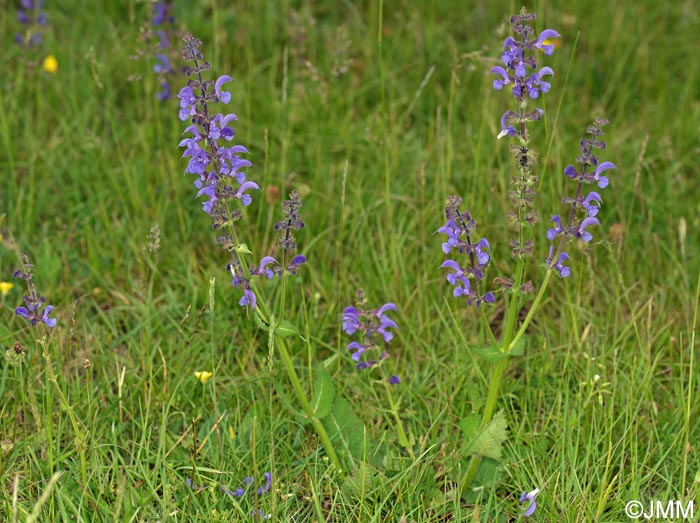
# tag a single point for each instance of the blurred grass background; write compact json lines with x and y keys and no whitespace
{"x":375,"y":112}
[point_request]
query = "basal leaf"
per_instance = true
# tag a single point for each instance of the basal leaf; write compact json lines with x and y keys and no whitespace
{"x":488,"y":442}
{"x":324,"y":393}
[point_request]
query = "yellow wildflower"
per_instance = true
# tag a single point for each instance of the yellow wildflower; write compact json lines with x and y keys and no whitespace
{"x":50,"y":64}
{"x":203,"y":375}
{"x":5,"y":287}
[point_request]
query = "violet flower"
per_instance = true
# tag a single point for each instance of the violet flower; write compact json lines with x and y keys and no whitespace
{"x":529,"y":497}
{"x":239,"y":492}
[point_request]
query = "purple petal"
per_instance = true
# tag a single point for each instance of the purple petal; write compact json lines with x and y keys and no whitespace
{"x":604,"y":167}
{"x":386,"y":307}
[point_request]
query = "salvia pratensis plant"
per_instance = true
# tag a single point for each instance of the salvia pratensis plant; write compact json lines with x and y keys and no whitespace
{"x":218,"y":168}
{"x":38,"y":316}
{"x":526,"y":80}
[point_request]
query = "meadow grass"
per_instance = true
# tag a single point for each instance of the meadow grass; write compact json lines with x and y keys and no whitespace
{"x":602,"y":407}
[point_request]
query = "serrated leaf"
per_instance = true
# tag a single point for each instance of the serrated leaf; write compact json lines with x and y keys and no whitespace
{"x":470,"y":426}
{"x":284,"y":329}
{"x":488,"y":442}
{"x":362,"y":481}
{"x":324,"y":393}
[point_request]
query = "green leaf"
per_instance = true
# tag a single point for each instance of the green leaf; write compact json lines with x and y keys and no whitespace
{"x":489,"y":473}
{"x":470,"y":426}
{"x":488,"y":441}
{"x":345,"y":429}
{"x":324,"y":393}
{"x":298,"y":415}
{"x":284,"y":329}
{"x":362,"y":481}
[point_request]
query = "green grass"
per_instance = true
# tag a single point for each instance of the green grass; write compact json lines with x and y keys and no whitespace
{"x":89,"y":163}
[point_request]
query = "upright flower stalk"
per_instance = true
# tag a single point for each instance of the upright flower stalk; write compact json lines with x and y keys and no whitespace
{"x":164,"y":23}
{"x":220,"y":179}
{"x":522,"y":75}
{"x":32,"y":17}
{"x":37,"y":313}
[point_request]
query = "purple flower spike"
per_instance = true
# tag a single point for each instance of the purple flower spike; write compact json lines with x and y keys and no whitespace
{"x":584,"y":209}
{"x":33,"y":312}
{"x":529,"y":497}
{"x":394,"y":380}
{"x":373,"y":326}
{"x":521,"y":64}
{"x":466,"y":278}
{"x":31,"y":14}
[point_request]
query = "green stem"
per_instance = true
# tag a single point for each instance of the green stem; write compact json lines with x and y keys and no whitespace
{"x":502,"y":365}
{"x":306,"y":405}
{"x":281,"y":344}
{"x":80,"y":439}
{"x":489,"y":409}
{"x":535,"y":305}
{"x":403,"y":439}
